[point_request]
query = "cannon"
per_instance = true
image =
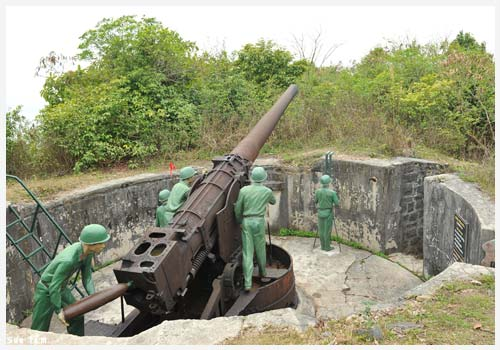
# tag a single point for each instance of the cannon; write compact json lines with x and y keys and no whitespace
{"x":192,"y":267}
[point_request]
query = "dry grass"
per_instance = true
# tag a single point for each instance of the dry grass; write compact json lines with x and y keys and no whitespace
{"x":482,"y":172}
{"x":51,"y":187}
{"x":48,"y":188}
{"x":459,"y":313}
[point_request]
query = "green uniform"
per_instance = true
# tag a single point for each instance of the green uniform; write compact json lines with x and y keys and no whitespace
{"x":178,"y":196}
{"x":249,"y":210}
{"x":52,"y":293}
{"x":162,"y":219}
{"x":325,"y":199}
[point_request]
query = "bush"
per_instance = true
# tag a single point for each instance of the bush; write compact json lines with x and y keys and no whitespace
{"x":130,"y":103}
{"x":146,"y":92}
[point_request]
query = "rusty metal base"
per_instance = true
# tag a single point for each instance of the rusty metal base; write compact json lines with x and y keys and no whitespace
{"x":226,"y":296}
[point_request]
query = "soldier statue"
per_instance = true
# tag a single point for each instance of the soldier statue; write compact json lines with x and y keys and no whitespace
{"x":52,"y":292}
{"x":325,"y":199}
{"x":180,"y":191}
{"x":249,"y":210}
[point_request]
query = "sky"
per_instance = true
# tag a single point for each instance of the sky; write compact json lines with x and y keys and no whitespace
{"x":32,"y":32}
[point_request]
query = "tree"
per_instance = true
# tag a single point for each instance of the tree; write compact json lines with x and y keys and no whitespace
{"x":313,"y":52}
{"x":465,"y":41}
{"x":267,"y":64}
{"x":18,"y":155}
{"x":54,"y":64}
{"x":132,"y":100}
{"x":473,"y":73}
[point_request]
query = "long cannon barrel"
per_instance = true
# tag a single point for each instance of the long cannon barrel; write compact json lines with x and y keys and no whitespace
{"x":249,"y":147}
{"x":166,"y":260}
{"x":94,"y":301}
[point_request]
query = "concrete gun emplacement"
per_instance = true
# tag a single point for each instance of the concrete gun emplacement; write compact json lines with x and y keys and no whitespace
{"x":192,"y":267}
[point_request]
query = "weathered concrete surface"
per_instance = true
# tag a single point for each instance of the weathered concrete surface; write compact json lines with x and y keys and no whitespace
{"x":409,"y":262}
{"x":329,"y":284}
{"x":455,"y":272}
{"x":445,"y":196}
{"x":381,"y":200}
{"x":340,"y":283}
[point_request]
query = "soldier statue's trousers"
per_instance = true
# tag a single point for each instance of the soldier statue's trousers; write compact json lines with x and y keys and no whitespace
{"x":43,"y":310}
{"x":325,"y":224}
{"x":169,"y":216}
{"x":253,"y":239}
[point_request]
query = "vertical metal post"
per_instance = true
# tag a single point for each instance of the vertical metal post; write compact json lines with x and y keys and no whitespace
{"x":122,"y":308}
{"x":328,"y":164}
{"x":270,"y":245}
{"x":330,"y":169}
{"x":333,"y":209}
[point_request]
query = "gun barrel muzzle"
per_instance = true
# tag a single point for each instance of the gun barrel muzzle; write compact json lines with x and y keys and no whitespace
{"x":250,"y":146}
{"x":95,"y":301}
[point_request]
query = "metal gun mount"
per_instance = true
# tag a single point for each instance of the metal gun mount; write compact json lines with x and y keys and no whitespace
{"x":192,"y":268}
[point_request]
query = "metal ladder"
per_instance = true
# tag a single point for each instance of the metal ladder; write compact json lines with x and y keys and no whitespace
{"x":30,"y":232}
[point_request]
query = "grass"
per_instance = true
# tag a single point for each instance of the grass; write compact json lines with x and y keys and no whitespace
{"x":458,"y":313}
{"x":47,"y":188}
{"x":482,"y":173}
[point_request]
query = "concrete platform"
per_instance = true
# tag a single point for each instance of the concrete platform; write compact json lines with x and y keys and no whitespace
{"x":330,"y":285}
{"x":340,"y":283}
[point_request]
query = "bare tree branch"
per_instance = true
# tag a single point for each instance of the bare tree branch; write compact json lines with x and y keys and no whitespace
{"x":312,"y":50}
{"x":53,"y":63}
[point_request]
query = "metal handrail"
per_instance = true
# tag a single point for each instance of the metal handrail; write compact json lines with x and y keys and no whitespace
{"x":30,"y":233}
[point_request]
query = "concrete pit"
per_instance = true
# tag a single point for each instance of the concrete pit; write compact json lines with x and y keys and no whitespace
{"x":330,"y":285}
{"x":384,"y":215}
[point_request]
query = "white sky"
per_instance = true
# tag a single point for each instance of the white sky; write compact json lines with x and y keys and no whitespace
{"x":32,"y":32}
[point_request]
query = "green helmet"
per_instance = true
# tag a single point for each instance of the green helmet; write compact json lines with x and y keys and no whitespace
{"x":259,"y":174}
{"x":325,"y":179}
{"x":163,"y":195}
{"x":93,"y":234}
{"x":187,"y":172}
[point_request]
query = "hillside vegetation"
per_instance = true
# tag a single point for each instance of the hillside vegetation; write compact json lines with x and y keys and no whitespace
{"x":144,"y":95}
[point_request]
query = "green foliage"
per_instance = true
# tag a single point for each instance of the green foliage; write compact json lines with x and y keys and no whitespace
{"x":145,"y":93}
{"x":466,"y":42}
{"x":141,"y":49}
{"x":228,"y":102}
{"x":443,"y":94}
{"x":297,"y":233}
{"x":14,"y":127}
{"x":267,"y":64}
{"x":130,"y":103}
{"x":19,"y":143}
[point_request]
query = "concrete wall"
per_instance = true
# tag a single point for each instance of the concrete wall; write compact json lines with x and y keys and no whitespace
{"x":445,"y":196}
{"x":381,"y":201}
{"x":381,"y":207}
{"x":125,"y":207}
